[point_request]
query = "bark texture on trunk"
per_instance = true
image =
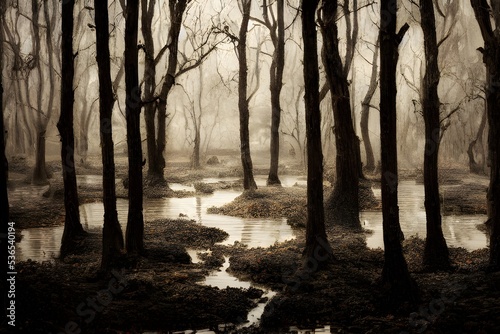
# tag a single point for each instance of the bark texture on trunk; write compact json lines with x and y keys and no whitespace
{"x":177,"y":8}
{"x":317,"y":246}
{"x":395,"y":275}
{"x":134,"y":237}
{"x":112,"y":236}
{"x":147,"y":11}
{"x":474,"y":166}
{"x":73,"y":229}
{"x":246,"y":158}
{"x":276,"y":78}
{"x":4,"y":199}
{"x":436,"y":254}
{"x":365,"y":112}
{"x":491,"y":57}
{"x":343,"y":204}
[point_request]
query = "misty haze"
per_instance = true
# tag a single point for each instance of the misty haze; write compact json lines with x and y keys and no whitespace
{"x":250,"y":166}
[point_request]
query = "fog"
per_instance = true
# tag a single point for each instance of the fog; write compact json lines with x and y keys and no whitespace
{"x":209,"y":93}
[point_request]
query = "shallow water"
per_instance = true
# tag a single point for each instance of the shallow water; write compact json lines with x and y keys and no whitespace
{"x":41,"y":244}
{"x":458,"y":230}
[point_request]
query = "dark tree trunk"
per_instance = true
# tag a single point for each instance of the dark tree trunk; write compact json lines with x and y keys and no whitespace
{"x":343,"y":204}
{"x":436,"y":254}
{"x":112,"y":236}
{"x":196,"y":149}
{"x":491,"y":58}
{"x":365,"y":112}
{"x":149,"y":88}
{"x":395,"y":275}
{"x":246,"y":159}
{"x":197,"y":124}
{"x":276,"y":75}
{"x":474,"y":166}
{"x":73,"y":229}
{"x":40,"y":172}
{"x":134,"y":237}
{"x":317,"y":246}
{"x":177,"y":8}
{"x":4,"y":199}
{"x":40,"y":169}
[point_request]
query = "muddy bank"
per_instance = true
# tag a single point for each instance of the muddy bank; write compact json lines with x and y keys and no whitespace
{"x":160,"y":291}
{"x":272,"y":202}
{"x":280,"y":202}
{"x":468,"y":198}
{"x":347,"y":295}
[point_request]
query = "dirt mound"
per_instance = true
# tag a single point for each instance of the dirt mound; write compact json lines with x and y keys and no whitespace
{"x":271,"y":202}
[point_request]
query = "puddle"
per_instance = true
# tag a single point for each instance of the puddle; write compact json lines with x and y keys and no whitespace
{"x":261,"y":180}
{"x":458,"y":230}
{"x":222,"y":279}
{"x":41,"y":244}
{"x":25,"y":193}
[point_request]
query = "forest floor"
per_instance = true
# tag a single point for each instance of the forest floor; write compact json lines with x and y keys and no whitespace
{"x":164,"y":291}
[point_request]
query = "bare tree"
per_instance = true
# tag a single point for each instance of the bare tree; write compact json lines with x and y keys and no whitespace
{"x":395,"y":273}
{"x":73,"y":229}
{"x":112,"y":236}
{"x":134,"y":237}
{"x":4,"y":199}
{"x":486,"y":16}
{"x":246,"y":158}
{"x":275,"y":23}
{"x":40,"y":170}
{"x":156,"y":106}
{"x":365,"y":111}
{"x":343,"y":204}
{"x":317,"y":245}
{"x":293,"y":126}
{"x":436,"y":254}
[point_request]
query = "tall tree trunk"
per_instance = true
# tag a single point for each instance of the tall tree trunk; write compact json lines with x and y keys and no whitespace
{"x":112,"y":236}
{"x":317,"y":246}
{"x":276,"y":74}
{"x":436,"y":254}
{"x":4,"y":199}
{"x":197,"y":123}
{"x":149,"y":87}
{"x":40,"y":170}
{"x":343,"y":204}
{"x":474,"y":166}
{"x":177,"y":8}
{"x":134,"y":237}
{"x":40,"y":176}
{"x":395,"y":275}
{"x":246,"y":159}
{"x":73,"y":229}
{"x":365,"y":112}
{"x":491,"y":58}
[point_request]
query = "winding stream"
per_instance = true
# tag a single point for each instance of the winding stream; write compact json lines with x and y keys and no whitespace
{"x":42,"y":244}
